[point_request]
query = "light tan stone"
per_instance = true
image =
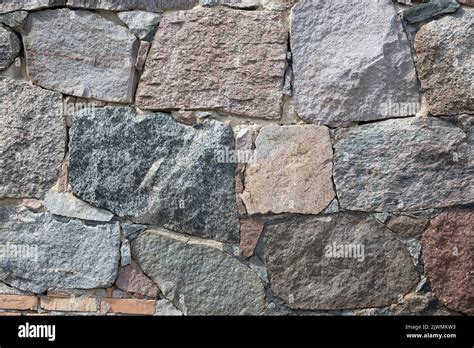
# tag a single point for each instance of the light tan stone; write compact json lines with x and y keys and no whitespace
{"x":291,"y":171}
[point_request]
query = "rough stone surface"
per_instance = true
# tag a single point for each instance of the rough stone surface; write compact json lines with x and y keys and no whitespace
{"x":302,"y":274}
{"x":350,"y":60}
{"x":125,"y":253}
{"x":155,"y":170}
{"x":66,"y":204}
{"x":278,"y":5}
{"x":445,"y":66}
{"x":292,"y":171}
{"x":447,"y":255}
{"x":250,"y":231}
{"x":423,"y":12}
{"x":240,"y":4}
{"x":14,"y":19}
{"x":419,"y":304}
{"x":404,"y":164}
{"x":209,"y":281}
{"x":145,"y":5}
{"x":131,"y":231}
{"x":52,"y":254}
{"x":406,"y":225}
{"x":131,"y":279}
{"x":9,"y":47}
{"x":467,"y":2}
{"x":32,"y":139}
{"x":141,"y":23}
{"x":166,"y":308}
{"x":94,"y":62}
{"x":142,"y":54}
{"x":14,"y":5}
{"x":239,"y":68}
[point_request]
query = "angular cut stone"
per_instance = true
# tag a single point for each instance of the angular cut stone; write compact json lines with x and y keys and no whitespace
{"x":250,"y":231}
{"x":141,"y":23}
{"x":307,"y":271}
{"x":406,"y":226}
{"x":404,"y":164}
{"x":131,"y":279}
{"x":154,"y":170}
{"x":423,"y":12}
{"x":222,"y":59}
{"x":95,"y":62}
{"x":445,"y":67}
{"x":209,"y":281}
{"x":278,"y":5}
{"x":66,"y":204}
{"x":9,"y":47}
{"x":32,"y":139}
{"x":350,"y":60}
{"x":44,"y":253}
{"x":291,"y":171}
{"x":14,"y":5}
{"x":447,"y":255}
{"x":14,"y":19}
{"x":145,"y":5}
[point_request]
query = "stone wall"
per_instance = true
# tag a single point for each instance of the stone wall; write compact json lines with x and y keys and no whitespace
{"x":229,"y":157}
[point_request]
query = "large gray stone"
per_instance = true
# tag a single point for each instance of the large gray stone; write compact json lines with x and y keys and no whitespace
{"x":14,"y":5}
{"x":53,"y":254}
{"x":145,"y":5}
{"x":198,"y":276}
{"x":32,"y":139}
{"x":445,"y":66}
{"x":350,"y":60}
{"x":305,"y":275}
{"x":96,"y":61}
{"x":404,"y":164}
{"x":9,"y":47}
{"x":222,"y":59}
{"x":152,"y":169}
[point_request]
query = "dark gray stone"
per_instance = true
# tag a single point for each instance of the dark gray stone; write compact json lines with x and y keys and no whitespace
{"x":14,"y":19}
{"x":32,"y":139}
{"x":9,"y":47}
{"x":14,"y":5}
{"x":306,"y":276}
{"x":154,"y":170}
{"x":402,"y":165}
{"x":198,"y":276}
{"x":145,"y":5}
{"x":45,"y":253}
{"x":426,"y":11}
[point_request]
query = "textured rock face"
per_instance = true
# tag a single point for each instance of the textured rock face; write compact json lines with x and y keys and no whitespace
{"x":66,"y":204}
{"x":32,"y":139}
{"x":209,"y":281}
{"x":132,"y":279}
{"x":445,"y":66}
{"x":447,"y":256}
{"x":14,"y":19}
{"x":291,"y":171}
{"x":146,"y":5}
{"x":404,"y":164}
{"x":350,"y":60}
{"x":94,"y":62}
{"x":45,"y":253}
{"x":9,"y":47}
{"x":13,"y":5}
{"x":141,"y":23}
{"x":250,"y":231}
{"x":155,"y":170}
{"x":227,"y":60}
{"x":379,"y":270}
{"x":423,"y":12}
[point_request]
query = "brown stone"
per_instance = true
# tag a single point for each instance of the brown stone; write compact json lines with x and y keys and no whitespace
{"x":132,"y":279}
{"x":34,"y":205}
{"x":467,"y":2}
{"x":128,"y":306}
{"x":447,"y":248}
{"x":19,"y":302}
{"x":291,"y":171}
{"x":142,"y":54}
{"x":250,"y":231}
{"x":419,"y":304}
{"x":406,"y":225}
{"x":70,"y":304}
{"x":222,"y":59}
